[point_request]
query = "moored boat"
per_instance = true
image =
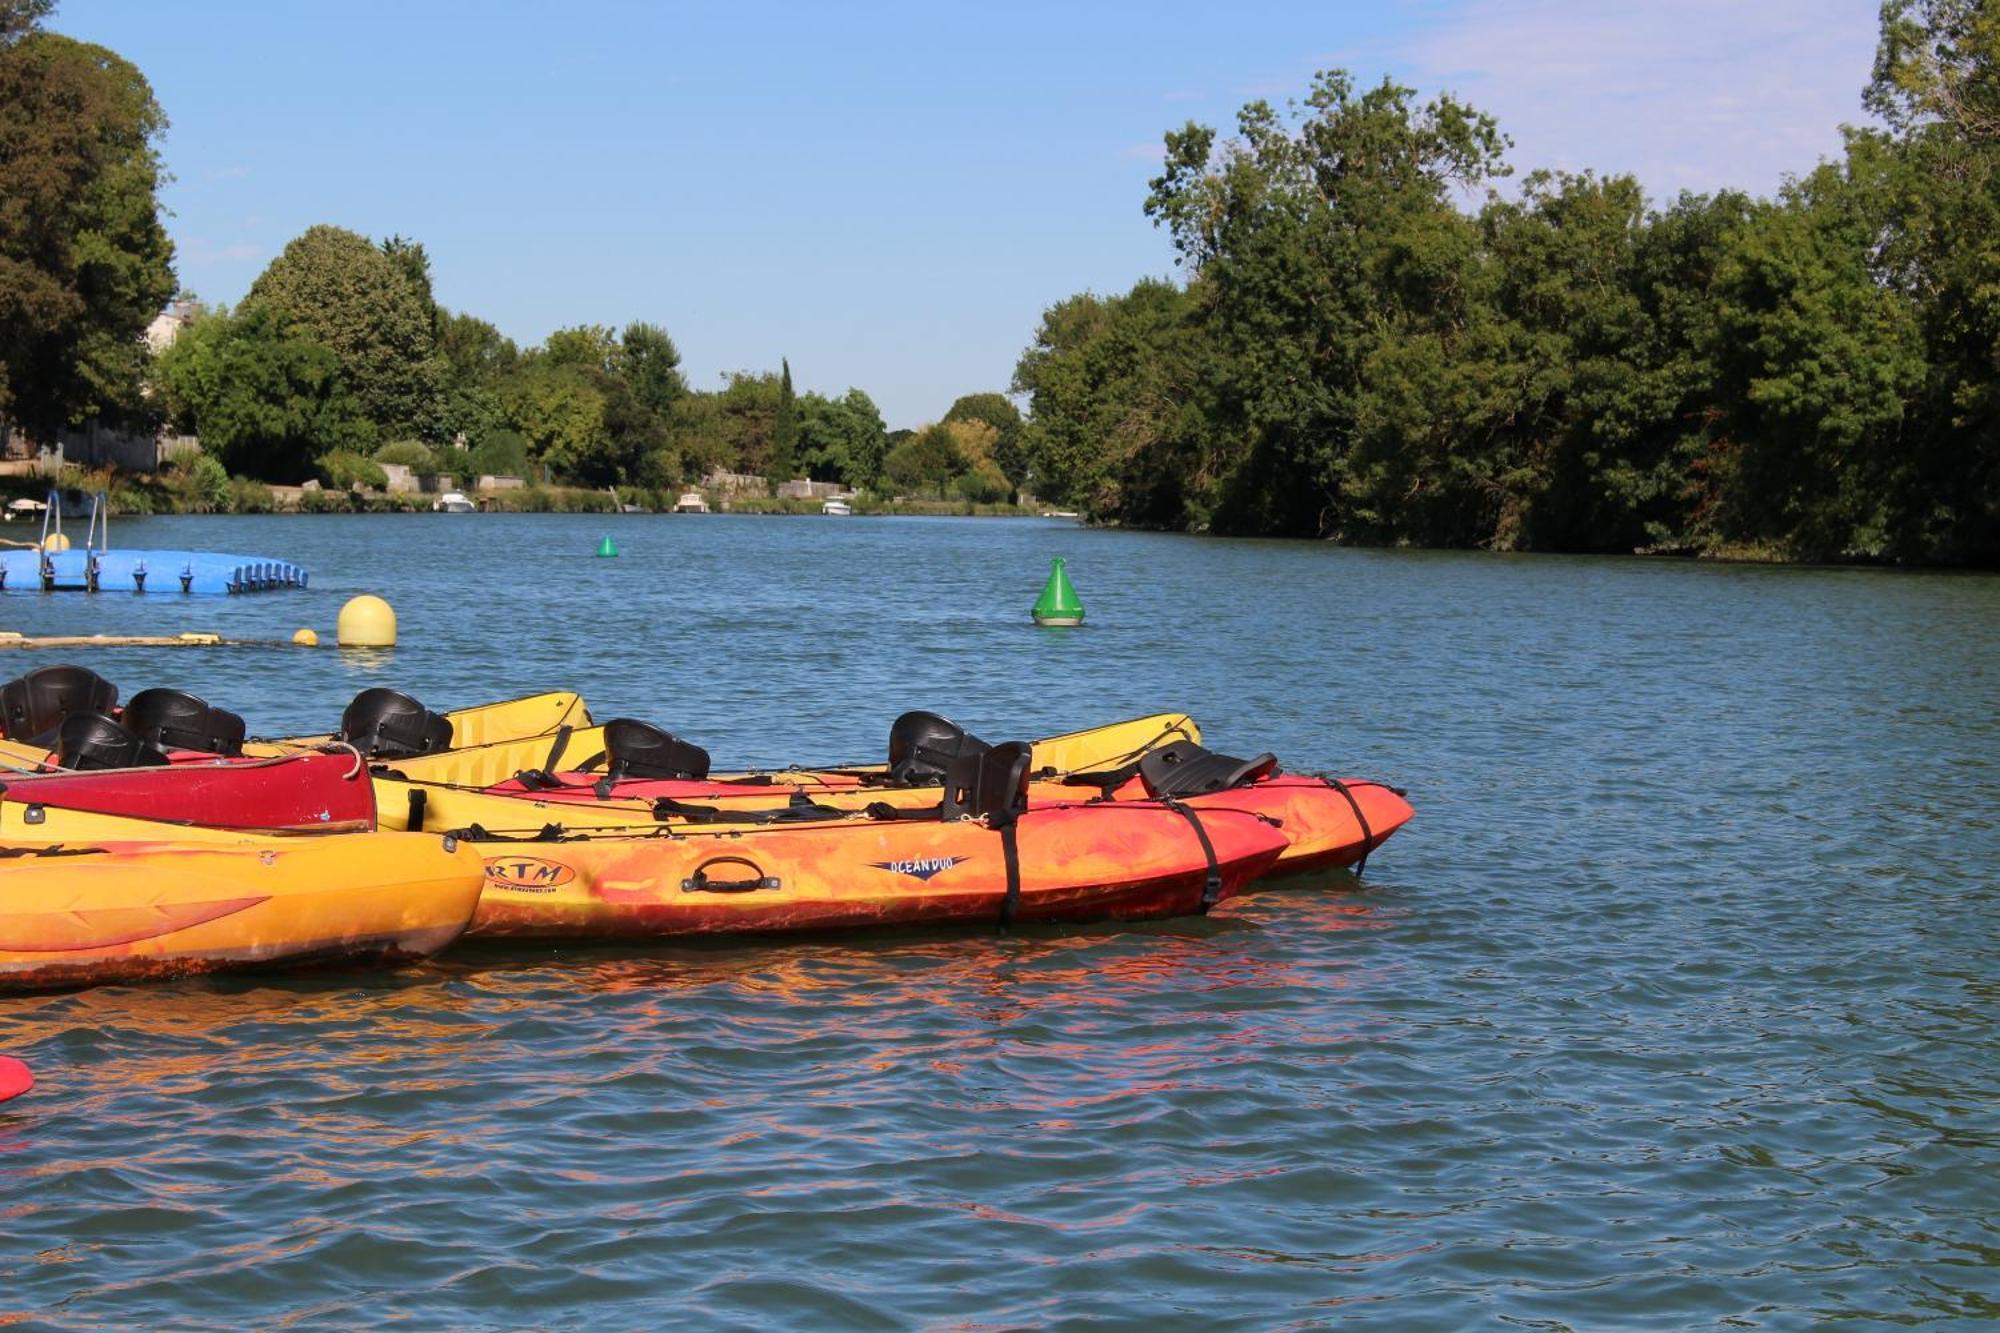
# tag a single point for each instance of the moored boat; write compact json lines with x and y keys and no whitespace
{"x":90,"y":898}
{"x":381,"y":723}
{"x":1076,"y":865}
{"x":1328,"y":822}
{"x":298,"y":793}
{"x":979,"y":856}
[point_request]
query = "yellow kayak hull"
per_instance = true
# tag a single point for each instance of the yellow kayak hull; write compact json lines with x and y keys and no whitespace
{"x":87,"y":899}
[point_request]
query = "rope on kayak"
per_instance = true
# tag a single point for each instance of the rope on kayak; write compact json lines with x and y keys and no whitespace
{"x":1211,"y":891}
{"x":1119,"y":769}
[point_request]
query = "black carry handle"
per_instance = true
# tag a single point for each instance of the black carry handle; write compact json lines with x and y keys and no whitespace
{"x":699,"y":882}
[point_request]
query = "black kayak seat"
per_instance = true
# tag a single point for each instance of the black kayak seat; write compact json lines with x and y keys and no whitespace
{"x":388,"y":724}
{"x":1186,"y":769}
{"x":33,"y":706}
{"x":989,"y":783}
{"x":635,"y":749}
{"x":97,"y":740}
{"x":923,"y":746}
{"x":177,"y":720}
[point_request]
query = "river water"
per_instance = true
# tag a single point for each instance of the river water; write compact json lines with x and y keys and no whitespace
{"x":1673,"y":1007}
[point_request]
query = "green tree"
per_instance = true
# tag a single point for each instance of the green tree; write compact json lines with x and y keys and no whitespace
{"x":841,"y":439}
{"x":84,"y":261}
{"x":341,"y":291}
{"x":745,"y":421}
{"x":414,"y":263}
{"x":1937,"y":83}
{"x":266,"y":403}
{"x":560,"y":414}
{"x":415,"y":455}
{"x":698,"y":435}
{"x":783,"y":462}
{"x":651,"y":364}
{"x":1320,"y":246}
{"x":475,"y":360}
{"x":1123,"y":406}
{"x":587,"y":346}
{"x":997,"y":411}
{"x":925,"y":462}
{"x":501,"y":453}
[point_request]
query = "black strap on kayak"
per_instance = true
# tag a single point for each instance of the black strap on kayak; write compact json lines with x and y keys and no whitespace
{"x":912,"y":814}
{"x":1010,"y":852}
{"x":590,"y":765}
{"x":1211,"y":889}
{"x":1106,"y":781}
{"x":556,"y":750}
{"x":1367,"y":834}
{"x":480,"y":833}
{"x":800,"y":809}
{"x":419,"y":798}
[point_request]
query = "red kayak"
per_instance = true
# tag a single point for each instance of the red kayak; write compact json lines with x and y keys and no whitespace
{"x":294,"y":794}
{"x":14,"y":1078}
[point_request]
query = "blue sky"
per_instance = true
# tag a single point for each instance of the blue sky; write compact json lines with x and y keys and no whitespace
{"x":889,"y":195}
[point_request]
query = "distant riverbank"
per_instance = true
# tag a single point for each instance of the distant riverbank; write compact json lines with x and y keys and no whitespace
{"x":138,"y":496}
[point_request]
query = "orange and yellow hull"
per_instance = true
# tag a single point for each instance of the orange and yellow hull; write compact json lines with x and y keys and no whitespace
{"x":153,"y":903}
{"x":1131,"y":863}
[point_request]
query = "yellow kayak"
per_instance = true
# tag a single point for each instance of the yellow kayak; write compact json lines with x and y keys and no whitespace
{"x":1089,"y":750}
{"x":486,"y":724}
{"x":91,"y":898}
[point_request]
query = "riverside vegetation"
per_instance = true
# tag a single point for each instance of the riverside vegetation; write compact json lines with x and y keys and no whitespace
{"x":1355,"y":355}
{"x":1354,"y":351}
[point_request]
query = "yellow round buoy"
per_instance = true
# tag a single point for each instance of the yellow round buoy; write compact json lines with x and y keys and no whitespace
{"x":366,"y":622}
{"x":305,"y":638}
{"x":55,"y":541}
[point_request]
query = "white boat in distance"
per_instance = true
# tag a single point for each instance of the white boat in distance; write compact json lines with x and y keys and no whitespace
{"x":839,"y":508}
{"x":453,"y":502}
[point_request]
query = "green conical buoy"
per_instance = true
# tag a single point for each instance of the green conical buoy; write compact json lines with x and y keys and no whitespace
{"x":605,"y":548}
{"x":1058,"y":605}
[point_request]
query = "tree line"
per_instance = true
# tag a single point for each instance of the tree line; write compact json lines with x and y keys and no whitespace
{"x":1353,"y":350}
{"x":340,"y":359}
{"x":1355,"y":354}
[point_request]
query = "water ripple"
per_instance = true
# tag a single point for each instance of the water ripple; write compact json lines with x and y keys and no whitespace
{"x":1673,"y":1008}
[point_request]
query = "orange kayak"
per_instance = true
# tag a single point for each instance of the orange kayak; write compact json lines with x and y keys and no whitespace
{"x":1073,"y":864}
{"x":1327,"y":822}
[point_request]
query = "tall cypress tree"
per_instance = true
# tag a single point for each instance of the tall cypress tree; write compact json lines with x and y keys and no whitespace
{"x":785,"y":434}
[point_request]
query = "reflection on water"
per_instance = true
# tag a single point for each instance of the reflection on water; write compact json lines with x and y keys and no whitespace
{"x":1673,"y":1006}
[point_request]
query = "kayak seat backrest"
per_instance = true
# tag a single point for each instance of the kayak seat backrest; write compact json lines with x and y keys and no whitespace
{"x":634,"y":749}
{"x":98,"y":740}
{"x":177,"y":720}
{"x":923,"y":746}
{"x":989,"y":783}
{"x":1186,"y":769}
{"x":32,"y":707}
{"x":388,"y":724}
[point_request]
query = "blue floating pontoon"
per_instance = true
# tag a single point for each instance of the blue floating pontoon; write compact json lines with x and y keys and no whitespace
{"x":97,"y":569}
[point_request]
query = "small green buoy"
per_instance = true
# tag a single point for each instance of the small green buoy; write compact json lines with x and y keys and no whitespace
{"x":605,"y":549}
{"x":1058,"y":605}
